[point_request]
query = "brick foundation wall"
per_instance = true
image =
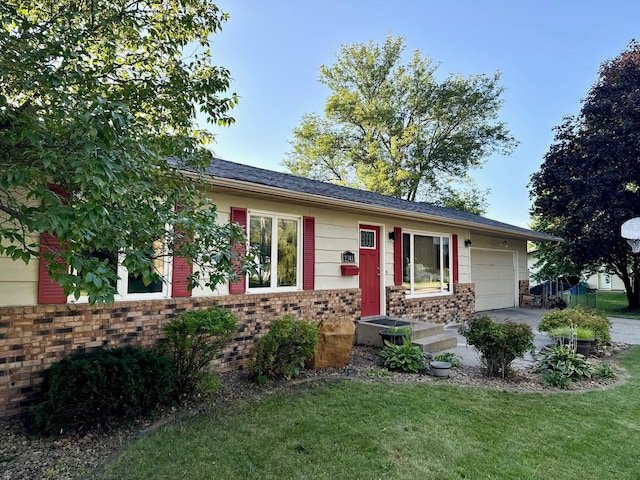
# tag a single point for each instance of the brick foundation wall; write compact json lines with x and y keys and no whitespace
{"x":440,"y":309}
{"x":31,"y":338}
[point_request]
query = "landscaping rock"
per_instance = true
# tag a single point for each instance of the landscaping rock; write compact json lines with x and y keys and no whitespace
{"x":336,"y":341}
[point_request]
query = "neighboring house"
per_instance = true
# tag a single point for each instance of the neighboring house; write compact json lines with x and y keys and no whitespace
{"x":326,"y":250}
{"x":605,"y":282}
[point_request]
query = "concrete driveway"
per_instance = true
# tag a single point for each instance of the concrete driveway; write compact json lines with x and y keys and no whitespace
{"x":623,"y":330}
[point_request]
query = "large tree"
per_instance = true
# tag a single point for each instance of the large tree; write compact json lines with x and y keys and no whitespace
{"x":97,"y":120}
{"x":589,"y":183}
{"x":394,"y":128}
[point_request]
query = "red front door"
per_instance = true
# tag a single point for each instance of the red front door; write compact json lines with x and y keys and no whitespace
{"x":370,"y":270}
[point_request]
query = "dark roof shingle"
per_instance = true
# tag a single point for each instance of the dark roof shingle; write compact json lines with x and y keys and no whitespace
{"x":245,"y":173}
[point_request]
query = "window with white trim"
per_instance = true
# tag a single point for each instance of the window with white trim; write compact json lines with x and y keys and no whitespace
{"x":132,"y":287}
{"x":276,"y":239}
{"x":426,"y":268}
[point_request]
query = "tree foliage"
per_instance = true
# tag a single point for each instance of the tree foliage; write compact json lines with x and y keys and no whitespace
{"x":551,"y":262}
{"x":589,"y":183}
{"x":99,"y":100}
{"x":395,"y":129}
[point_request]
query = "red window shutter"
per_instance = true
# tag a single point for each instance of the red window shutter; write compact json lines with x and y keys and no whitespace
{"x":238,"y":215}
{"x":308,"y":253}
{"x":182,"y":268}
{"x":49,"y":291}
{"x":454,"y":256}
{"x":397,"y":256}
{"x":181,"y":271}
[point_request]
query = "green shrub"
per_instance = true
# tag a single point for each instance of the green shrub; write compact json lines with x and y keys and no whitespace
{"x":99,"y":386}
{"x":499,"y":344}
{"x":578,"y":317}
{"x":560,"y":366}
{"x":192,"y":341}
{"x":282,"y":352}
{"x":405,"y":357}
{"x":604,"y":370}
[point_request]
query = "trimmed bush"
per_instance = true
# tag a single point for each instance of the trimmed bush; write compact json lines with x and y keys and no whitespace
{"x":192,"y":342}
{"x":101,"y":386}
{"x":578,"y":317}
{"x":282,"y":352}
{"x":499,"y":344}
{"x":405,"y":357}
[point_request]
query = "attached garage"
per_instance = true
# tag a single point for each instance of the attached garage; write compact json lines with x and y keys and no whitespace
{"x":494,"y":275}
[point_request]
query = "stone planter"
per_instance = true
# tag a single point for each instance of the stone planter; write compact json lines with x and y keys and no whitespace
{"x":440,"y":369}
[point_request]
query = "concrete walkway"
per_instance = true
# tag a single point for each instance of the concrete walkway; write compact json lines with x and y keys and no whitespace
{"x":623,"y":330}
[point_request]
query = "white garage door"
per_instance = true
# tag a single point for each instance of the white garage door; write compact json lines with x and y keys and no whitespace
{"x":495,"y":278}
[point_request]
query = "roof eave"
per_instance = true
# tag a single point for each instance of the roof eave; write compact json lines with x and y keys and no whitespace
{"x":244,"y":186}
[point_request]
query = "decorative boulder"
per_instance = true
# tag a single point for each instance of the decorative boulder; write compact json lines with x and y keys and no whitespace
{"x":334,"y":347}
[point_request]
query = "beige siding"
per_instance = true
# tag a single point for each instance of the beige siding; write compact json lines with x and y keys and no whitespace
{"x":336,"y":232}
{"x":18,"y":282}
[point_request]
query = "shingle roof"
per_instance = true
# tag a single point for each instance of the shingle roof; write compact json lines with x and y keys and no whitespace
{"x":259,"y":176}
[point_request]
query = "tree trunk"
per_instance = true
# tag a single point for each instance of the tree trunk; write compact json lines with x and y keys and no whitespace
{"x":629,"y":273}
{"x":634,"y":298}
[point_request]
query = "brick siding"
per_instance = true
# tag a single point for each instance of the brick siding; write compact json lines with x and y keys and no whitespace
{"x":32,"y":338}
{"x":439,"y":309}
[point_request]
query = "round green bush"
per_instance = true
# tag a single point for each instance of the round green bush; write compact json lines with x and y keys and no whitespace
{"x":90,"y":388}
{"x":578,"y":317}
{"x":192,"y":341}
{"x":282,"y":352}
{"x":499,"y":344}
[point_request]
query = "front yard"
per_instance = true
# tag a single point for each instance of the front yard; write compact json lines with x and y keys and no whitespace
{"x":614,"y":304}
{"x":357,"y":429}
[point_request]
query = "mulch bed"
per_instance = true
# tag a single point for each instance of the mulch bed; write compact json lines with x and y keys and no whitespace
{"x":74,"y":455}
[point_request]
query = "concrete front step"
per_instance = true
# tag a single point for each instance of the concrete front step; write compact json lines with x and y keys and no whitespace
{"x":424,"y":330}
{"x":436,"y":343}
{"x":367,"y":330}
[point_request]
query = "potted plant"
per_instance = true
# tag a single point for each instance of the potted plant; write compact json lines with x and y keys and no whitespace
{"x":562,"y":335}
{"x":395,"y":335}
{"x":584,"y":340}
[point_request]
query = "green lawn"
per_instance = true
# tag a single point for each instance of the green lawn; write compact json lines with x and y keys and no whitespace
{"x":357,"y":430}
{"x":615,"y":305}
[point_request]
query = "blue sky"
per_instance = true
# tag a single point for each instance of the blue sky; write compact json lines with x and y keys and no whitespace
{"x":549,"y":53}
